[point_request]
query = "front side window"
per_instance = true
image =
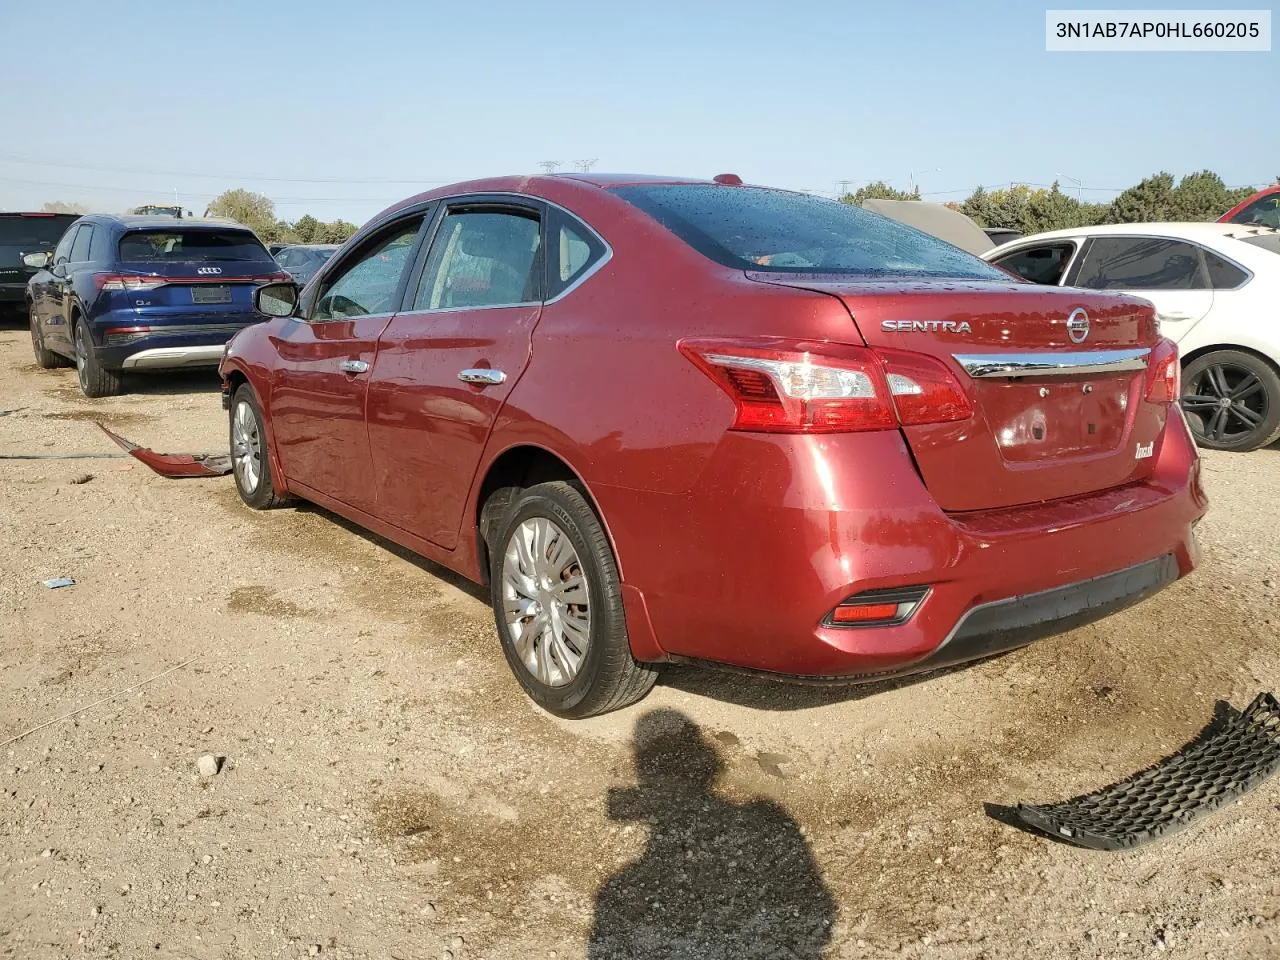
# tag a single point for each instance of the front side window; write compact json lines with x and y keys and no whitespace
{"x":62,"y":253}
{"x":192,"y":246}
{"x":1263,"y":212}
{"x":753,"y":228}
{"x":481,"y":258}
{"x":1140,"y":263}
{"x":80,"y":246}
{"x":1043,"y":265}
{"x":369,"y":281}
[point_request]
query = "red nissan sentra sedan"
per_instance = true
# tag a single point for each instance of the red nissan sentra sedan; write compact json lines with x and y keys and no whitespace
{"x":673,"y":420}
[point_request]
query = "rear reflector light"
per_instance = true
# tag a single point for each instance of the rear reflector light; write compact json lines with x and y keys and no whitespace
{"x":118,"y":281}
{"x":877,"y":608}
{"x":789,"y":386}
{"x":118,"y":336}
{"x":1164,"y":373}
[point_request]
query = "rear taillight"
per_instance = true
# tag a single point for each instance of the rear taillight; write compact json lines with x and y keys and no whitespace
{"x":280,"y":277}
{"x":789,"y":386}
{"x":1164,"y":373}
{"x":924,"y":391}
{"x":121,"y":281}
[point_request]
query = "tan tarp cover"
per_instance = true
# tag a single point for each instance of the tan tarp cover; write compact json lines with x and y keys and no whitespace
{"x":934,"y":218}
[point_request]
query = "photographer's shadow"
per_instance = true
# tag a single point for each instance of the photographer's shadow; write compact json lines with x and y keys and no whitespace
{"x":718,"y":880}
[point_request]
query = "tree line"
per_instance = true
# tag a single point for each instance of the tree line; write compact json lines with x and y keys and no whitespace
{"x":1197,"y":196}
{"x":258,"y":213}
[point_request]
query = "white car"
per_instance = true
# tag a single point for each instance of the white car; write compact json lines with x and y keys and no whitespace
{"x":1216,"y":290}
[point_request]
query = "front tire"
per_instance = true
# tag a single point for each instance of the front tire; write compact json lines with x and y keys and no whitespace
{"x":1232,"y":400}
{"x":250,"y":464}
{"x":95,"y":380}
{"x":557,"y":602}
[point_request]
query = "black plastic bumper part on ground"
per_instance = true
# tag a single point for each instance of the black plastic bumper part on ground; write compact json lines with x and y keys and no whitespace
{"x":1230,"y":758}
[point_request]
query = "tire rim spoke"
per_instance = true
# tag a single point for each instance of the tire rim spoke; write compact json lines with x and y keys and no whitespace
{"x":246,"y":447}
{"x":545,"y":599}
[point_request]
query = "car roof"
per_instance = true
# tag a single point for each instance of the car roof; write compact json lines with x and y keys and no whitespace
{"x":1203,"y":232}
{"x":141,"y":222}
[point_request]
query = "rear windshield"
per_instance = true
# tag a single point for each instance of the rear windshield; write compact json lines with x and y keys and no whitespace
{"x":35,"y":231}
{"x":757,"y":229}
{"x":165,"y":246}
{"x":1267,"y":241}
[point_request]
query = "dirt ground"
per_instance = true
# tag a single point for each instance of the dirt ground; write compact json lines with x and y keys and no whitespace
{"x":388,"y":792}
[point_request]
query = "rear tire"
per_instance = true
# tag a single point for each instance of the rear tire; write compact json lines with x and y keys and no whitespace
{"x":251,"y":465}
{"x":1232,"y":400}
{"x":95,"y":380}
{"x":45,"y":359}
{"x":557,"y":603}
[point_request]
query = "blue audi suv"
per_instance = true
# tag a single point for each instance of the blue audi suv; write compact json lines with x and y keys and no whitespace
{"x":131,"y":293}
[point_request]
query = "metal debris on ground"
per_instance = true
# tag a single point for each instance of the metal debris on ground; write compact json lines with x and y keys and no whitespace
{"x":1231,"y":756}
{"x":58,"y":582}
{"x":174,"y":464}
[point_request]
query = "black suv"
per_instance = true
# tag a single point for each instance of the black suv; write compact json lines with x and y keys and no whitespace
{"x":21,"y":234}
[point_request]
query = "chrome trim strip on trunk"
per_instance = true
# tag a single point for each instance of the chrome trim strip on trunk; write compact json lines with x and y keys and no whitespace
{"x":1055,"y":364}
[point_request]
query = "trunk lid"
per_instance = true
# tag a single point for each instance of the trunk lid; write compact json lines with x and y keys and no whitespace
{"x":1055,"y":415}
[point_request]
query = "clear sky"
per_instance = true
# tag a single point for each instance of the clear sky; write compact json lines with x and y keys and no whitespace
{"x":325,"y":105}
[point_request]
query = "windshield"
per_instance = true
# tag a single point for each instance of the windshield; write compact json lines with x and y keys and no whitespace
{"x":36,"y":232}
{"x":771,"y":230}
{"x":1264,"y":212}
{"x":167,"y":246}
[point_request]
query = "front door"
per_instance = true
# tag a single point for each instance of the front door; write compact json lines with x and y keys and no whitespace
{"x":325,"y":359}
{"x":447,"y":363}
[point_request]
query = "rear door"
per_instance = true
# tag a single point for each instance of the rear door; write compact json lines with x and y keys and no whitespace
{"x":325,"y":362}
{"x":1170,"y":273}
{"x":447,"y":363}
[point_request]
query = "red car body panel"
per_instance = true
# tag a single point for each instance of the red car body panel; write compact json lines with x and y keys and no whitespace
{"x":734,"y":546}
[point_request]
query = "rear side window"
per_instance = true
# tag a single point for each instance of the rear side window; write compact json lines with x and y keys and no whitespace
{"x":481,"y":258}
{"x":1043,"y":265}
{"x":166,"y":246}
{"x":1223,"y":274}
{"x":753,"y":228}
{"x":1140,"y":263}
{"x":80,"y":245}
{"x":574,"y":250}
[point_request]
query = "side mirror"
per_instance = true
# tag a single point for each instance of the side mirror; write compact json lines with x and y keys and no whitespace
{"x":276,"y":299}
{"x":37,"y":260}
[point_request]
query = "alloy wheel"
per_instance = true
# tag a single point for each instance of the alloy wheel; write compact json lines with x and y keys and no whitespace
{"x":545,"y":601}
{"x":246,"y":447}
{"x":1228,"y":400}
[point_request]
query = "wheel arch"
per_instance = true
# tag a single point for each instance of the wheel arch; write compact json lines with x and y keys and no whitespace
{"x":519,"y":466}
{"x":236,"y":376}
{"x":1199,"y":352}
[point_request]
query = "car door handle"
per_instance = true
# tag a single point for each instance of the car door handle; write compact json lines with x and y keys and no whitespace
{"x":483,"y":377}
{"x":354,"y":366}
{"x":1173,"y":316}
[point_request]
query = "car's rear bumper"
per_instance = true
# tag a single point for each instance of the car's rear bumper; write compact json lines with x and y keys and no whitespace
{"x":169,"y":358}
{"x":745,"y":571}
